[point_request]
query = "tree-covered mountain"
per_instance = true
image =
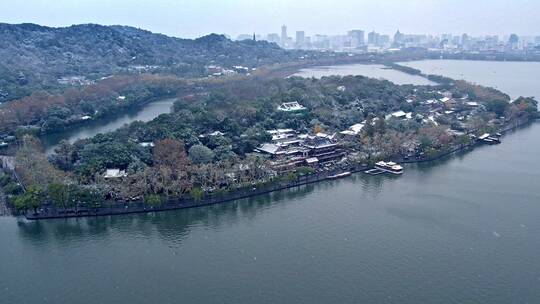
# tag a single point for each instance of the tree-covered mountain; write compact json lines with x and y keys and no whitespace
{"x":36,"y":57}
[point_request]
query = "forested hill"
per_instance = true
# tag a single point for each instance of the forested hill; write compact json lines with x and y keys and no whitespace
{"x":37,"y":57}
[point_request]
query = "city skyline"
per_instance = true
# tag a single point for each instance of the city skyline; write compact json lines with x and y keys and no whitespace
{"x":291,"y":32}
{"x":359,"y":40}
{"x":188,"y":19}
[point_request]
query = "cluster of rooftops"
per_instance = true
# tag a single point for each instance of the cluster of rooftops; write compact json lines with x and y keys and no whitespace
{"x":428,"y":111}
{"x":288,"y":148}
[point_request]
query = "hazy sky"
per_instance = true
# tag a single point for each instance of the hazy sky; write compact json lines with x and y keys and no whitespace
{"x":199,"y":17}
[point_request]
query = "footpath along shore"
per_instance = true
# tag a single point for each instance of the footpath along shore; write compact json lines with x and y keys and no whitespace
{"x":118,"y":208}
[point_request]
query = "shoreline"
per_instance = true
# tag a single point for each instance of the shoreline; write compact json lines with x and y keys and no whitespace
{"x":112,"y":115}
{"x":270,"y":72}
{"x":119,"y":207}
{"x":49,"y":139}
{"x":116,"y":208}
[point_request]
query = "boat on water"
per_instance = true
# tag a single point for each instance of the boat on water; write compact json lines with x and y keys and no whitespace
{"x":374,"y":171}
{"x":389,"y":167}
{"x":340,"y":175}
{"x":489,"y":139}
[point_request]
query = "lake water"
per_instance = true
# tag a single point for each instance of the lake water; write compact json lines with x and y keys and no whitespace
{"x":514,"y":78}
{"x":146,"y":113}
{"x":463,"y":230}
{"x":370,"y":70}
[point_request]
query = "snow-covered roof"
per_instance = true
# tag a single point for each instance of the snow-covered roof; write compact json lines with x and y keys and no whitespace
{"x":324,"y":135}
{"x":484,"y":136}
{"x":269,"y":148}
{"x":216,"y":133}
{"x":399,"y":114}
{"x":280,"y":131}
{"x":312,"y":160}
{"x":115,"y":173}
{"x":291,"y":107}
{"x":445,"y":99}
{"x":354,"y":129}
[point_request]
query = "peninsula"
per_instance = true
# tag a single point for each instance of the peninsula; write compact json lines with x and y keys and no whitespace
{"x":236,"y":130}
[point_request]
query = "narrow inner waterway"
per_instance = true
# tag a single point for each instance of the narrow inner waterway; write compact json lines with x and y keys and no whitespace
{"x":145,"y":113}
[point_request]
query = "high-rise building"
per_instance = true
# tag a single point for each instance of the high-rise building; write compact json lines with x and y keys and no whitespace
{"x":513,"y":38}
{"x":283,"y":35}
{"x":321,"y":42}
{"x":338,"y":42}
{"x":300,"y":39}
{"x":373,"y":38}
{"x":447,"y":37}
{"x":537,"y":40}
{"x":513,"y":41}
{"x":384,"y":40}
{"x":398,"y":38}
{"x":465,"y":41}
{"x":357,"y":38}
{"x":491,"y":41}
{"x":456,"y":40}
{"x":307,"y":42}
{"x":275,"y":38}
